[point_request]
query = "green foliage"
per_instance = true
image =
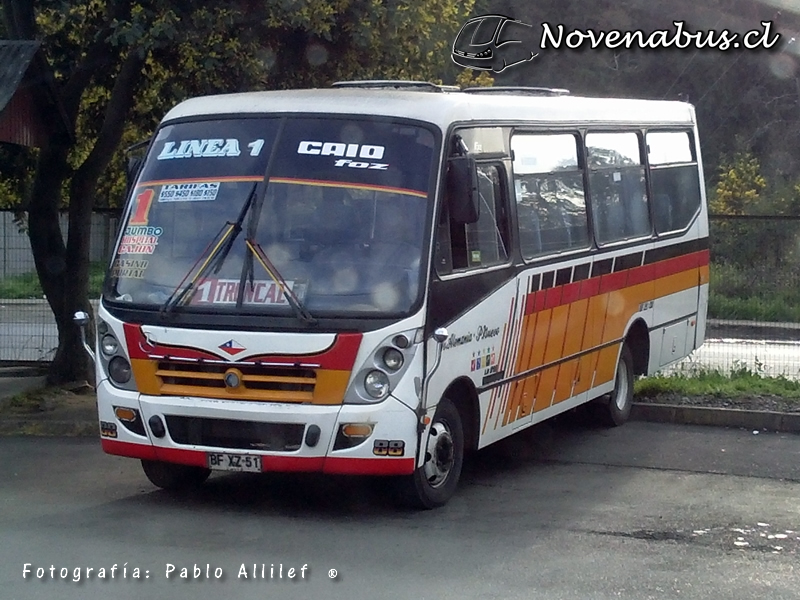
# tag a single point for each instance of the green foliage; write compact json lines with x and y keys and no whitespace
{"x":467,"y":78}
{"x":740,"y":185}
{"x":194,"y":49}
{"x":754,"y":293}
{"x":27,"y":286}
{"x":712,"y":382}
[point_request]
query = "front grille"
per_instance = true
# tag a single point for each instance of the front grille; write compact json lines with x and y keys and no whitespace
{"x":241,"y":435}
{"x":267,"y":383}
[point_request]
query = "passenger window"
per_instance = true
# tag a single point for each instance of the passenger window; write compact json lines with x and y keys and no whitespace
{"x":480,"y":244}
{"x":617,"y":186}
{"x":551,"y":202}
{"x":674,"y":179}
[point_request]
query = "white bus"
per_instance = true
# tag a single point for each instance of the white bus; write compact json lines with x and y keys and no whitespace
{"x":379,"y":277}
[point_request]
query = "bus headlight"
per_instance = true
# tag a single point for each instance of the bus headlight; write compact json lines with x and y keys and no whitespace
{"x":376,"y":384}
{"x":119,"y":370}
{"x":109,"y":345}
{"x":393,"y":359}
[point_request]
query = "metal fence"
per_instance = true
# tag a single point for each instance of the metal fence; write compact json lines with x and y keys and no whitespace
{"x":754,"y":304}
{"x":27,"y":327}
{"x":754,"y":296}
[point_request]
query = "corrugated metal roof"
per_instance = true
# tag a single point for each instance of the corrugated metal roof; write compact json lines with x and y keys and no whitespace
{"x":15,"y":58}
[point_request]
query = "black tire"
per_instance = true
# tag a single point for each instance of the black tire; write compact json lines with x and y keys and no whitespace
{"x":174,"y":477}
{"x":617,"y":405}
{"x":434,"y":483}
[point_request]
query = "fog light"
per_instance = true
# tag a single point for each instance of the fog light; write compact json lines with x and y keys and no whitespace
{"x":376,"y":383}
{"x":119,"y":370}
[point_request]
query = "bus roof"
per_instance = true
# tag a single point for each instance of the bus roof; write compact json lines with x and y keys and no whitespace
{"x":441,"y":108}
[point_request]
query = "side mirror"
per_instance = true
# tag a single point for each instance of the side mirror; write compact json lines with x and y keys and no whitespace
{"x":81,"y":319}
{"x":462,"y":190}
{"x":135,"y":157}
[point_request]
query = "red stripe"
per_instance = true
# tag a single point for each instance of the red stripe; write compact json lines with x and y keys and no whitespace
{"x":529,"y":303}
{"x":341,"y":355}
{"x":566,"y":294}
{"x":589,"y":288}
{"x":613,"y":282}
{"x":540,"y":298}
{"x":197,"y":458}
{"x":641,"y":274}
{"x":678,"y":264}
{"x":144,"y":451}
{"x":571,"y":293}
{"x":553,"y":297}
{"x":369,"y":466}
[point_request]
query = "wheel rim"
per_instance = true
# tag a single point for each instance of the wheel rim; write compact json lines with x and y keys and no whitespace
{"x":621,"y":391}
{"x":440,"y":454}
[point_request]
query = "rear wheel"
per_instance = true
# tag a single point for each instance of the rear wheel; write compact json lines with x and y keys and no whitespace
{"x":435,"y":482}
{"x":174,"y":477}
{"x":618,"y":408}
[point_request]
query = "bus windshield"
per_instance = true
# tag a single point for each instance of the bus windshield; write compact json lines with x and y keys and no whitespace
{"x":230,"y":212}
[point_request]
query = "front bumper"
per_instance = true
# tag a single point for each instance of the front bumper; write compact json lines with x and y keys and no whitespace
{"x":391,"y":420}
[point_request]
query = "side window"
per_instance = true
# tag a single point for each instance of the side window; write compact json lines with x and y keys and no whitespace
{"x":618,"y":189}
{"x":674,"y":179}
{"x":480,"y":244}
{"x":551,"y":202}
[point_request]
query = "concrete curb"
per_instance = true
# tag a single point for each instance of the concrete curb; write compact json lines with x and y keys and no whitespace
{"x":718,"y":417}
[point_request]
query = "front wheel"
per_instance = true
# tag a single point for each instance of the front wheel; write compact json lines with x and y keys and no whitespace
{"x":174,"y":477}
{"x":620,"y":401}
{"x":435,"y":482}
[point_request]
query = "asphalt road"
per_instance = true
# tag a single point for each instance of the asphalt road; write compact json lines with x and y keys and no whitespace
{"x":565,"y":512}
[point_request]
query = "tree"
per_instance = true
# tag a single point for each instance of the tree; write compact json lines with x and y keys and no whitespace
{"x":119,"y":64}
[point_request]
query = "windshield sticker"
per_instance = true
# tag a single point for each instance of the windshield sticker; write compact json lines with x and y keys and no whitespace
{"x":214,"y":148}
{"x":341,"y":149}
{"x":140,"y":240}
{"x":349,"y":151}
{"x":261,"y":293}
{"x":141,"y":208}
{"x":189,"y":192}
{"x":129,"y":268}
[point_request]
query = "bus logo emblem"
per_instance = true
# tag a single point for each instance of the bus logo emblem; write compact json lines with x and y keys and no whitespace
{"x":232,"y":347}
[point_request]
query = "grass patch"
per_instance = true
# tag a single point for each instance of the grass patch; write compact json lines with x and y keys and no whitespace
{"x":740,"y":382}
{"x":26,"y":285}
{"x":754,"y":293}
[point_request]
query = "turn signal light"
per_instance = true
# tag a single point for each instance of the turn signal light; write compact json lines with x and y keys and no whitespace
{"x":125,"y":414}
{"x":357,"y":430}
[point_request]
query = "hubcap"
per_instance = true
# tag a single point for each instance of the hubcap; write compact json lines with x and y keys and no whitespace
{"x":440,"y":455}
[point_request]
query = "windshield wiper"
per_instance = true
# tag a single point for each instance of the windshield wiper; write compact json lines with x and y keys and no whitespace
{"x":220,"y":245}
{"x":294,"y":301}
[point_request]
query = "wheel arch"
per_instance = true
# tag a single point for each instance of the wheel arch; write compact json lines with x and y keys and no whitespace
{"x":638,"y":340}
{"x":464,"y":396}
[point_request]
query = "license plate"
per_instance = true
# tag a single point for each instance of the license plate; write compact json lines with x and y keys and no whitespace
{"x":223,"y":461}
